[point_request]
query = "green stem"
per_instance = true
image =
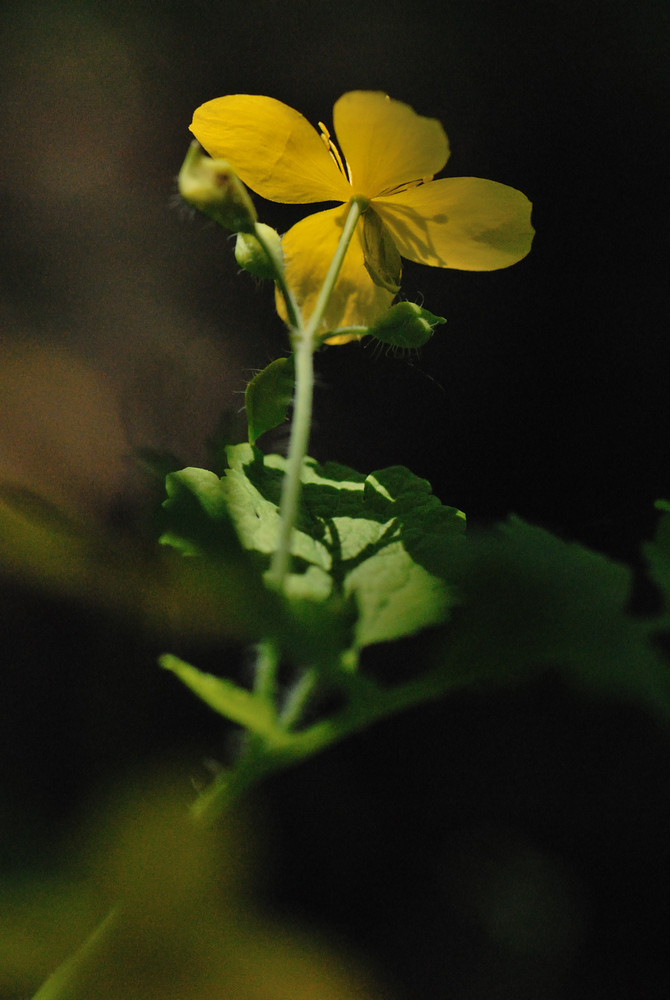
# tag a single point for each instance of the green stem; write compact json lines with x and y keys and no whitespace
{"x":300,"y":428}
{"x":65,"y":982}
{"x":305,"y":342}
{"x":254,"y":763}
{"x":265,"y":671}
{"x":298,"y":698}
{"x":356,"y":207}
{"x":368,"y":705}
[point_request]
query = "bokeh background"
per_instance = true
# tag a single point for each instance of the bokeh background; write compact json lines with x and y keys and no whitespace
{"x":495,"y":846}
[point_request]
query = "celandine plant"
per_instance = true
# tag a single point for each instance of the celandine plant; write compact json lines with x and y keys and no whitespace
{"x":347,"y":559}
{"x":310,"y":563}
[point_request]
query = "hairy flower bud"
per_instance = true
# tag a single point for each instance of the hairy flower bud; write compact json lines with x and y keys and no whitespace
{"x":214,"y":188}
{"x":406,"y":325}
{"x":262,"y":259}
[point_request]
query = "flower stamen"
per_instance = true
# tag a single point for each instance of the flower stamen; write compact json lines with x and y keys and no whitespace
{"x":405,"y":186}
{"x":334,"y":152}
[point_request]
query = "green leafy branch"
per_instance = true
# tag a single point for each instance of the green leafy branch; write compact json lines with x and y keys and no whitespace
{"x":378,"y":557}
{"x":356,"y":579}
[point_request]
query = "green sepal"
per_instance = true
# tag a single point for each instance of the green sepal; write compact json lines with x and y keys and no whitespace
{"x":268,"y":397}
{"x":382,"y":260}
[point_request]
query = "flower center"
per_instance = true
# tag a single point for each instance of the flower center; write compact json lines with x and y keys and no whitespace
{"x":362,"y":201}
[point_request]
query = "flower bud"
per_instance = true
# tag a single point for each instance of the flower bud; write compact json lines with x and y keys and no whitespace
{"x":406,"y":325}
{"x":263,"y":260}
{"x":214,"y":188}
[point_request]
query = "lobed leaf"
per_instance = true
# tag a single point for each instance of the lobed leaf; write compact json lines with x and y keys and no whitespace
{"x":376,"y":539}
{"x":531,"y":601}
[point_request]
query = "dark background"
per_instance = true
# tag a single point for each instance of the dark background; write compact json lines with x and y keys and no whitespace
{"x":493,"y":846}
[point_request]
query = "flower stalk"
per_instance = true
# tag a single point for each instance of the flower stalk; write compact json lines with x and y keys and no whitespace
{"x":292,"y":311}
{"x":305,"y":340}
{"x":357,"y":206}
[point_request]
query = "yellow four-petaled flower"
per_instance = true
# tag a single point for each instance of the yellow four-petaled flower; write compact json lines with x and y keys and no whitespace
{"x":391,"y":155}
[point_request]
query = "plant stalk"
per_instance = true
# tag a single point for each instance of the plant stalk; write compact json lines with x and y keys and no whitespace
{"x":305,"y":342}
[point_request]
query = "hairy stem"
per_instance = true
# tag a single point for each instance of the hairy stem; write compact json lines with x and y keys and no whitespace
{"x":356,"y":207}
{"x":304,"y":343}
{"x":300,"y":428}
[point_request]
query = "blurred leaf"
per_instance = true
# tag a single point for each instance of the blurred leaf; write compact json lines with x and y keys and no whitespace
{"x":186,"y":925}
{"x":657,"y":554}
{"x":268,"y":397}
{"x":217,"y":596}
{"x":532,"y":601}
{"x":226,"y":698}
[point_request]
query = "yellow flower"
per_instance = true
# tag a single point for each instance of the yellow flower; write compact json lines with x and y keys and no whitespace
{"x":391,"y":155}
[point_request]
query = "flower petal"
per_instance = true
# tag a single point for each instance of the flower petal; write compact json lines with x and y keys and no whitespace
{"x":271,"y":147}
{"x":461,"y":222}
{"x":308,"y":250}
{"x":386,"y":143}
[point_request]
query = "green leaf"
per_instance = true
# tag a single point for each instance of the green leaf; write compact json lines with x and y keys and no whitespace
{"x":268,"y":397}
{"x":430,"y":528}
{"x":198,"y":523}
{"x":531,"y":601}
{"x":196,"y":515}
{"x":377,"y":544}
{"x":233,"y":702}
{"x":376,"y":540}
